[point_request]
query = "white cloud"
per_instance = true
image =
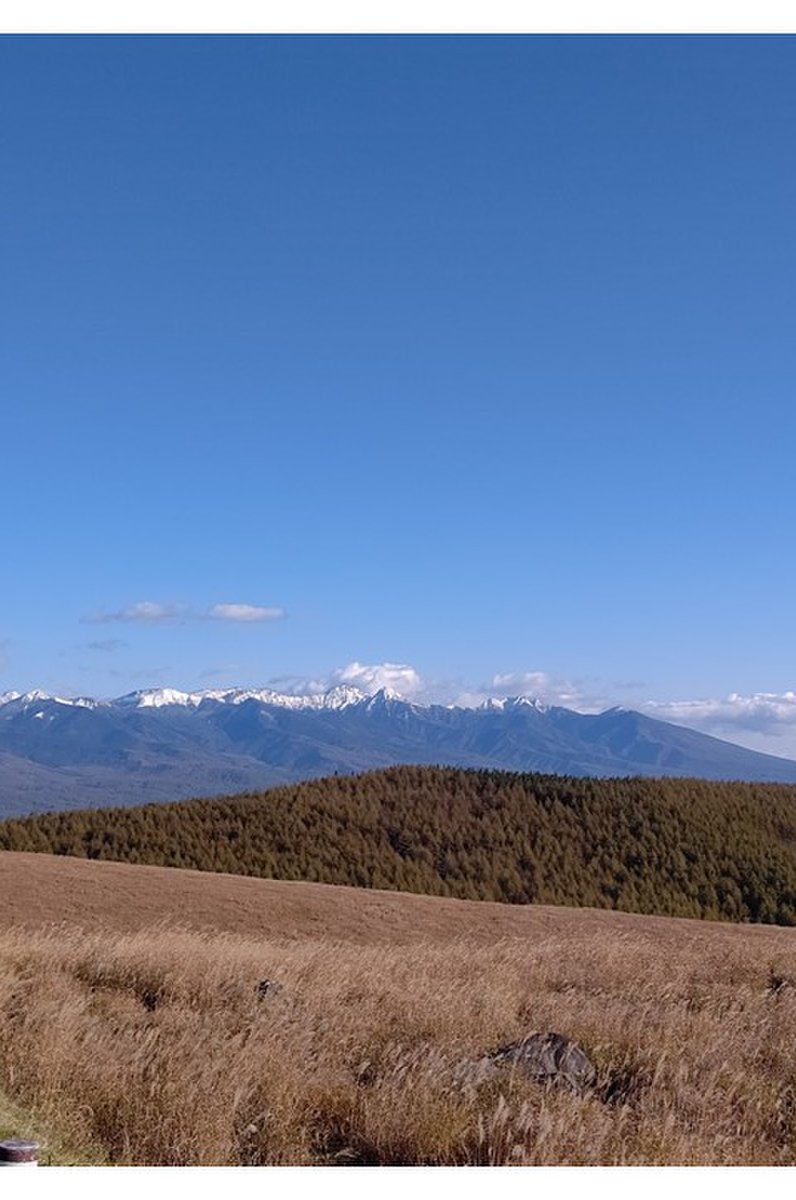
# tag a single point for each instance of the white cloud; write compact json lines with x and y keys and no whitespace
{"x":770,"y":713}
{"x":150,"y":612}
{"x":367,"y":677}
{"x":397,"y":677}
{"x":407,"y":682}
{"x":298,"y":685}
{"x":244,"y":612}
{"x":537,"y":685}
{"x":145,"y":612}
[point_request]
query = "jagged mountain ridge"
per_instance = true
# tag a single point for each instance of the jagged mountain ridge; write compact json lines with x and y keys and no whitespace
{"x":162,"y":744}
{"x":336,"y":697}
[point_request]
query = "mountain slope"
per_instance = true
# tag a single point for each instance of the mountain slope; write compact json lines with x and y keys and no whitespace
{"x":165,"y":744}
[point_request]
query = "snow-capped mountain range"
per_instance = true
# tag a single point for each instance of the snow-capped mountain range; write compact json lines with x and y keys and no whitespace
{"x":164,"y":744}
{"x":337,"y":697}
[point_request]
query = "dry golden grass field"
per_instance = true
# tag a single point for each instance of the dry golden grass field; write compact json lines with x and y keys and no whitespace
{"x":132,"y":1029}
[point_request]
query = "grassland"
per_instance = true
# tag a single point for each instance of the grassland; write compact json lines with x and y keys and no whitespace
{"x":14,"y":1119}
{"x":132,"y":1028}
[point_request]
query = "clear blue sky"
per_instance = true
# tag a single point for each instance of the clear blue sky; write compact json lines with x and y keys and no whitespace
{"x":476,"y":354}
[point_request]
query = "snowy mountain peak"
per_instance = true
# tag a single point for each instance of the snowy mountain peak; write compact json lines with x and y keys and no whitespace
{"x":335,"y":698}
{"x":22,"y":701}
{"x":37,"y":696}
{"x":385,"y":695}
{"x":339,"y":697}
{"x":530,"y":702}
{"x":504,"y":703}
{"x":153,"y":698}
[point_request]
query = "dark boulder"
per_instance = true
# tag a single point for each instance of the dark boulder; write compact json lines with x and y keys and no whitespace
{"x":548,"y":1058}
{"x":267,"y":988}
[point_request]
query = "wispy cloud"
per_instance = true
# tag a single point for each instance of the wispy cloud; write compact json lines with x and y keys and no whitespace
{"x":106,"y":645}
{"x":144,"y":612}
{"x":536,"y":685}
{"x":220,"y":672}
{"x":244,"y":613}
{"x":298,"y":685}
{"x":151,"y":612}
{"x":408,"y":682}
{"x":145,"y":674}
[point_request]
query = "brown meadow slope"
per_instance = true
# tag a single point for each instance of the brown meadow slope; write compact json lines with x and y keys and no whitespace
{"x":131,"y":1024}
{"x":42,"y":889}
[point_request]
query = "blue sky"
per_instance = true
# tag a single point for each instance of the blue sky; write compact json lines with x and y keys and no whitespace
{"x":470,"y":354}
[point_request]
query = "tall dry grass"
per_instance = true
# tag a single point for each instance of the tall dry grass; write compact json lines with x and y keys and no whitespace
{"x":154,"y":1048}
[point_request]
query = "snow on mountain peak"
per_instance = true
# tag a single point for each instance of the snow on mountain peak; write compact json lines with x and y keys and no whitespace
{"x":337,"y":697}
{"x":37,"y":696}
{"x":501,"y":703}
{"x":153,"y":698}
{"x":385,"y":694}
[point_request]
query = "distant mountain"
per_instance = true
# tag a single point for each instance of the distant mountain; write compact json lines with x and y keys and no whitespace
{"x":160,"y":745}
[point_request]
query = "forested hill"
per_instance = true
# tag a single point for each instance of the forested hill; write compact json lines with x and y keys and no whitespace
{"x":677,"y":846}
